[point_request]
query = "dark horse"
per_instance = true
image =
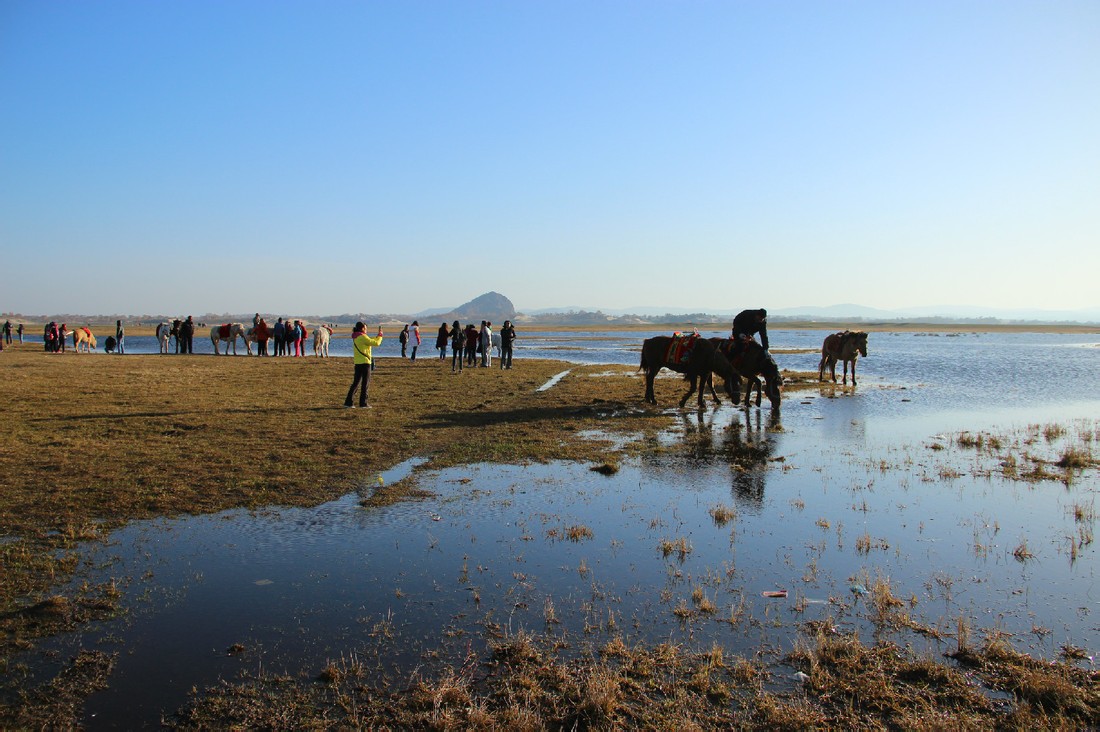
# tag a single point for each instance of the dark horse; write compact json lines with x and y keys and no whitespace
{"x":696,"y":366}
{"x":845,"y":346}
{"x":751,"y":362}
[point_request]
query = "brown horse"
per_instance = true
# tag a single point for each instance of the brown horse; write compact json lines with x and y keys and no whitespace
{"x":751,"y":361}
{"x":696,"y":365}
{"x":845,"y":346}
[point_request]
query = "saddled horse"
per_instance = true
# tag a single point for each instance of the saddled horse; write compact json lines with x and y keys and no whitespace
{"x":83,"y":340}
{"x":228,"y":333}
{"x":751,"y":361}
{"x":164,"y":335}
{"x":844,"y":346}
{"x":696,"y":360}
{"x":321,"y":337}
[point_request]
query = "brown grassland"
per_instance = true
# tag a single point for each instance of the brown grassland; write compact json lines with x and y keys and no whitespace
{"x":92,"y":442}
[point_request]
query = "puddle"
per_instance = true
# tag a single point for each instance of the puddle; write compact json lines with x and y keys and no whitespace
{"x":553,"y":380}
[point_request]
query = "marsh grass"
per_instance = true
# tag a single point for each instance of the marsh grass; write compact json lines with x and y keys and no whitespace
{"x":527,"y":681}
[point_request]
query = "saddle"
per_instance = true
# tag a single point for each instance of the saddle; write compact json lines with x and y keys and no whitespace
{"x":734,"y":348}
{"x":680,"y":348}
{"x":223,"y":331}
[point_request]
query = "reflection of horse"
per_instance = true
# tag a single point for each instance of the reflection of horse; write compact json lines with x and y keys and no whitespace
{"x":845,"y":346}
{"x":83,"y":340}
{"x":228,"y":333}
{"x":164,"y":334}
{"x":696,"y":363}
{"x":751,"y":361}
{"x":321,"y":336}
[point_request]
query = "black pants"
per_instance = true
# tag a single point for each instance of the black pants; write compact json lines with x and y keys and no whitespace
{"x":362,"y":376}
{"x":506,"y":356}
{"x":456,"y":358}
{"x":187,"y":340}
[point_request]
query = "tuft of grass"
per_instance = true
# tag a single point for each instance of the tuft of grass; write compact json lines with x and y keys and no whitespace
{"x":723,"y":514}
{"x":1075,"y":458}
{"x":1021,"y":552}
{"x":681,"y":547}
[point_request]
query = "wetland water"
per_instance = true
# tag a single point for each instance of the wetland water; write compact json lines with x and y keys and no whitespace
{"x":832,"y":494}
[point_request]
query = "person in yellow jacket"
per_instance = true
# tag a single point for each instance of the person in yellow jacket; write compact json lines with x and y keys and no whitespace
{"x":361,"y":346}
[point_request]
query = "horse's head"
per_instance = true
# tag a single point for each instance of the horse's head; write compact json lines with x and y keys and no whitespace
{"x":773,"y":382}
{"x":861,"y":342}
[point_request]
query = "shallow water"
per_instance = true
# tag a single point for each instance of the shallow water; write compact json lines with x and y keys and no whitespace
{"x":834,"y":491}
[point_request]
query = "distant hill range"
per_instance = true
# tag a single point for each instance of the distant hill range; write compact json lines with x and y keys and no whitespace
{"x":497,"y":308}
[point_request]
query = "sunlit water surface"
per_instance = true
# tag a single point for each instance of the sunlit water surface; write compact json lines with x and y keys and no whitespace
{"x":836,"y":491}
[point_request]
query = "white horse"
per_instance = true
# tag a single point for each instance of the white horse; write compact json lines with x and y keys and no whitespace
{"x":164,"y":335}
{"x":228,"y":333}
{"x":321,"y":337}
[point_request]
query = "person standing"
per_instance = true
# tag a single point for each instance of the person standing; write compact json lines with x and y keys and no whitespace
{"x":404,"y":338}
{"x":296,"y":338}
{"x":486,"y":344}
{"x":120,"y":335}
{"x":7,"y":332}
{"x":507,"y":338}
{"x":19,"y":330}
{"x":458,"y":341}
{"x":62,"y":334}
{"x":441,"y":339}
{"x":361,"y":346}
{"x":471,"y":345}
{"x":280,"y":337}
{"x":414,"y":339}
{"x":187,"y":335}
{"x":262,"y":334}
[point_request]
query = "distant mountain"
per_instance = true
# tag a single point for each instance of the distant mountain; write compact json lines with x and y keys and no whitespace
{"x":491,"y":306}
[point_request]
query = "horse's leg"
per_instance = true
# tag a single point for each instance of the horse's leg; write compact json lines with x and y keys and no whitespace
{"x":710,"y":385}
{"x":649,"y":376}
{"x":844,"y":381}
{"x":691,"y":390}
{"x":853,"y":371}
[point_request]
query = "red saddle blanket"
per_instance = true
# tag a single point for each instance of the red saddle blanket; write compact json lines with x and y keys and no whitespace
{"x":223,"y":331}
{"x":680,"y":348}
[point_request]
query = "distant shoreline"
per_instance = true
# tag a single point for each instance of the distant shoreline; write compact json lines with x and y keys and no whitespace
{"x":103,"y":328}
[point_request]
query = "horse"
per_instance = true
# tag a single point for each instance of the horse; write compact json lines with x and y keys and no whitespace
{"x":321,"y":337}
{"x":696,"y":362}
{"x":845,"y":346}
{"x":751,"y":361}
{"x":164,"y":335}
{"x":83,"y":340}
{"x":229,"y":332}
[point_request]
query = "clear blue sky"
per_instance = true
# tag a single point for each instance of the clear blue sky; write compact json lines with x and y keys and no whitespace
{"x":330,"y":157}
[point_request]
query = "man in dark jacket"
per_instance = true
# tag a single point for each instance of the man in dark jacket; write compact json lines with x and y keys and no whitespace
{"x":751,"y":322}
{"x":507,"y":338}
{"x":187,"y":335}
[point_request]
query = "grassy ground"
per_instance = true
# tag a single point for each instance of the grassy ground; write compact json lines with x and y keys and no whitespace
{"x":90,"y":443}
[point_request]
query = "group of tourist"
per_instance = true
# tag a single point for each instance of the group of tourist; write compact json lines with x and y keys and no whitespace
{"x":468,"y":345}
{"x":289,"y":337}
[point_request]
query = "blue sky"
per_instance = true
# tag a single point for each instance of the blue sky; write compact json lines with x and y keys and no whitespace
{"x":331,"y":157}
